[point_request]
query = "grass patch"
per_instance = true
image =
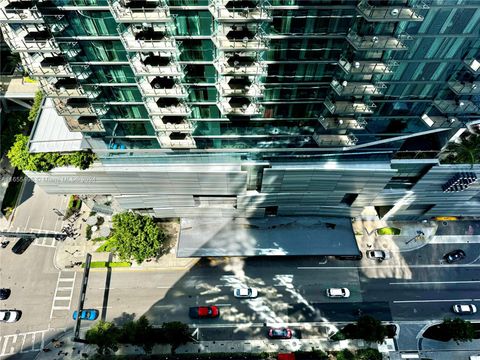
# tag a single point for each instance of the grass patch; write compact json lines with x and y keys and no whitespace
{"x":106,"y":264}
{"x":11,"y":195}
{"x":388,"y":231}
{"x":28,"y":79}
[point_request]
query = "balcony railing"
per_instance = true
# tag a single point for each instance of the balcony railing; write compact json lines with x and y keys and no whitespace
{"x":349,"y":107}
{"x":465,"y":88}
{"x":335,"y":140}
{"x":161,"y":124}
{"x":147,"y":90}
{"x":440,"y":121}
{"x":250,"y":109}
{"x":257,"y":43}
{"x":154,"y":109}
{"x":122,"y":13}
{"x":51,"y":90}
{"x":387,"y":13}
{"x":88,"y":124}
{"x":456,"y":106}
{"x":226,"y":67}
{"x":141,"y":69}
{"x":17,"y":40}
{"x":354,"y":88}
{"x":36,"y":66}
{"x":25,"y":16}
{"x":342,"y":123}
{"x":70,"y":49}
{"x":164,"y":43}
{"x":367,"y":67}
{"x":166,"y":141}
{"x":373,"y":42}
{"x":78,"y":109}
{"x":221,"y":13}
{"x":226,"y":88}
{"x":473,"y":65}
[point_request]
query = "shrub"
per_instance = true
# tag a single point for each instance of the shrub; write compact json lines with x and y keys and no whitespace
{"x":88,"y":232}
{"x":368,"y":354}
{"x":345,"y":354}
{"x":37,"y":103}
{"x":388,"y":231}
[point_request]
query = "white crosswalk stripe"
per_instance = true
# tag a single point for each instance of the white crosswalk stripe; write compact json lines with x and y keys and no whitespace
{"x":22,"y":342}
{"x":63,"y":291}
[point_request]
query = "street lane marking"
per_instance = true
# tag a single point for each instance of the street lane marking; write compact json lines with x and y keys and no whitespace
{"x":385,"y":267}
{"x":432,"y":300}
{"x":18,"y":343}
{"x":435,"y":282}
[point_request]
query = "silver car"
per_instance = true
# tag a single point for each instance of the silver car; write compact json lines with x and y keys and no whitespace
{"x":338,"y":292}
{"x":464,"y":308}
{"x":379,"y":255}
{"x":9,"y":316}
{"x":245,"y":293}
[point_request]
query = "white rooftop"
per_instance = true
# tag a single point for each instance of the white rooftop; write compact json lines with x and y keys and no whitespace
{"x":50,"y":134}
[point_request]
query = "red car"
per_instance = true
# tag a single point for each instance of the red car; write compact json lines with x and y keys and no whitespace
{"x":199,"y":312}
{"x":283,"y":333}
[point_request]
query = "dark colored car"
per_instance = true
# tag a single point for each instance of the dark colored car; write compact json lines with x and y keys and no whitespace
{"x":21,"y":245}
{"x":4,"y":294}
{"x":454,"y":256}
{"x":199,"y":312}
{"x":87,"y":314}
{"x":281,"y":333}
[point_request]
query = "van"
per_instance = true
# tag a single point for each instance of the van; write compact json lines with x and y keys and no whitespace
{"x":21,"y":245}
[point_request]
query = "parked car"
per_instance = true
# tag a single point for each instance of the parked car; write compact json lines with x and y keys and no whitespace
{"x":200,"y":312}
{"x":338,"y":292}
{"x":4,"y":294}
{"x":454,"y":256}
{"x":10,"y":316}
{"x":464,"y":308}
{"x":21,"y":245}
{"x":245,"y":293}
{"x":86,"y":314}
{"x":280,"y":333}
{"x":379,"y":255}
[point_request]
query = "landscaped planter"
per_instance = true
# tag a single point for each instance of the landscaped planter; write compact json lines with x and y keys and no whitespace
{"x":388,"y":231}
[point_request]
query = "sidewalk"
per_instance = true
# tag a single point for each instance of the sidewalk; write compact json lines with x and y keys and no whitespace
{"x":72,"y":350}
{"x":6,"y":173}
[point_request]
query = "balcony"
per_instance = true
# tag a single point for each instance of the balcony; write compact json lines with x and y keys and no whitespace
{"x":146,"y":11}
{"x":465,"y":88}
{"x":335,"y":140}
{"x":29,"y":38}
{"x":240,"y":65}
{"x":373,"y":42}
{"x":70,"y":49}
{"x":473,"y":65}
{"x":387,"y":13}
{"x":41,"y":65}
{"x":349,"y":107}
{"x":239,"y":38}
{"x":239,"y":106}
{"x":167,"y":107}
{"x":62,"y":88}
{"x":74,"y":107}
{"x":155,"y":64}
{"x":19,"y":12}
{"x":152,"y":86}
{"x":440,"y":121}
{"x":176,"y":140}
{"x":172,"y":123}
{"x":149,"y":40}
{"x":355,"y":88}
{"x":240,"y":11}
{"x":84,"y":124}
{"x":456,"y":106}
{"x":342,"y":123}
{"x":239,"y":86}
{"x":367,"y":67}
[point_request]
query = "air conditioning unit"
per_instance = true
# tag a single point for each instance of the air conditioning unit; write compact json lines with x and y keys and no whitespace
{"x":394,"y":12}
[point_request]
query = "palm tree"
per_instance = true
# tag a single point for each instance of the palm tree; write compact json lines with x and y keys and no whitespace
{"x":467,"y":151}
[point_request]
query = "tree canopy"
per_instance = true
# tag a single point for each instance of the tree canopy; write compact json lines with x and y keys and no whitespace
{"x":105,"y":335}
{"x":458,"y":329}
{"x":467,"y":151}
{"x":135,"y":236}
{"x":22,"y":159}
{"x":176,"y":333}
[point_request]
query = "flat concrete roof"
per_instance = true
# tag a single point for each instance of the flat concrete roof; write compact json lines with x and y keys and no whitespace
{"x":279,"y":235}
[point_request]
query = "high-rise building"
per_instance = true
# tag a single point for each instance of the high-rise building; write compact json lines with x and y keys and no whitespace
{"x":249,"y":108}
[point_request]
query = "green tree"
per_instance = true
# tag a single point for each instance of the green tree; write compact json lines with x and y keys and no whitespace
{"x":345,"y":354}
{"x":37,"y":103}
{"x":105,"y":335}
{"x":370,"y":329}
{"x":458,"y":329}
{"x":368,"y":354}
{"x":467,"y":151}
{"x":135,"y":236}
{"x":176,"y":333}
{"x":139,"y":333}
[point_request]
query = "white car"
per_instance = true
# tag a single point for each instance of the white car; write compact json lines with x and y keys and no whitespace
{"x":338,"y":292}
{"x":464,"y":309}
{"x":9,"y":316}
{"x":245,"y":293}
{"x":378,"y":255}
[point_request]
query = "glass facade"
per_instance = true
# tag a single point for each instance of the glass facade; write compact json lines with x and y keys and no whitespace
{"x":255,"y":76}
